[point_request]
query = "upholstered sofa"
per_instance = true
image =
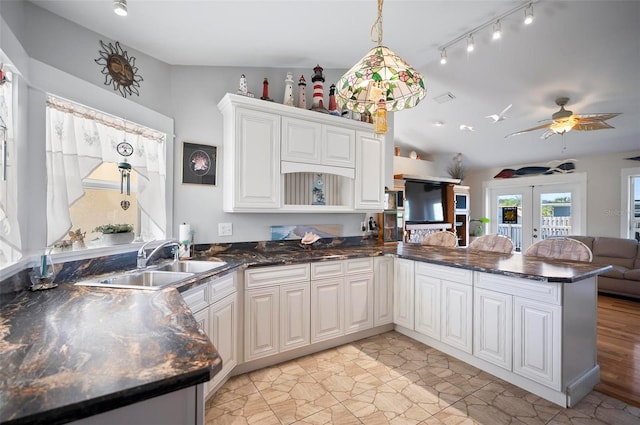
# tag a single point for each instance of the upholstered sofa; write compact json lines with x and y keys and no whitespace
{"x":624,"y":256}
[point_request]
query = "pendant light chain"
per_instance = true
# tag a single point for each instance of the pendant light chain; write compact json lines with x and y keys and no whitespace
{"x":377,"y":25}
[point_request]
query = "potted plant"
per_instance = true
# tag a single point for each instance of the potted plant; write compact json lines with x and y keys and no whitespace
{"x":116,"y":234}
{"x":480,"y":227}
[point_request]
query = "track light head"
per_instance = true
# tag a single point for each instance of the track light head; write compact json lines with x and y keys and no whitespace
{"x":497,"y":31}
{"x":120,"y":7}
{"x":528,"y":14}
{"x":470,"y":44}
{"x":443,"y":57}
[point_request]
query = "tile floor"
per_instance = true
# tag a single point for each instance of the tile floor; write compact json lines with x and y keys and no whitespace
{"x":392,"y":379}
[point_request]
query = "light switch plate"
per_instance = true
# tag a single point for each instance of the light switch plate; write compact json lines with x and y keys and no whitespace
{"x":225,"y":229}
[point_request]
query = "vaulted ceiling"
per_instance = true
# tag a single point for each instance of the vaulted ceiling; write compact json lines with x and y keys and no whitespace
{"x":588,"y":51}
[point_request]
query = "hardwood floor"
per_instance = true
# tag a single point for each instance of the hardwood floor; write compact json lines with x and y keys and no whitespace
{"x":619,"y":348}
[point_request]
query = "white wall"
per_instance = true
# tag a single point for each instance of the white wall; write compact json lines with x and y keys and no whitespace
{"x":603,"y":189}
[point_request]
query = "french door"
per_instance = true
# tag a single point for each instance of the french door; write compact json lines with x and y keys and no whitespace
{"x":530,"y":209}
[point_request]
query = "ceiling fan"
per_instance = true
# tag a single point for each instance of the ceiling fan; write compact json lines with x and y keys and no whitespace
{"x":564,"y":121}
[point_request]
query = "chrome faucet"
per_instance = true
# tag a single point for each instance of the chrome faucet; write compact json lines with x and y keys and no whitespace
{"x":143,"y":258}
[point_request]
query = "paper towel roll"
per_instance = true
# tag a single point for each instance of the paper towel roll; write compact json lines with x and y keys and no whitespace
{"x":185,"y":232}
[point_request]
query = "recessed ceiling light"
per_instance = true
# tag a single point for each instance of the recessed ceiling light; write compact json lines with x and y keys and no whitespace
{"x":120,"y":7}
{"x":438,"y":123}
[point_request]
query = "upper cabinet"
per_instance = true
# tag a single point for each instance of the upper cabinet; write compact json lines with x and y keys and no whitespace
{"x":280,"y":158}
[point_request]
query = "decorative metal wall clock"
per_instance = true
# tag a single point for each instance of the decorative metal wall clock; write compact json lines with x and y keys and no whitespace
{"x":119,"y":69}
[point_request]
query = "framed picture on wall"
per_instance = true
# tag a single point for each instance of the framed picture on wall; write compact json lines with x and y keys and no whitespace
{"x":199,"y":163}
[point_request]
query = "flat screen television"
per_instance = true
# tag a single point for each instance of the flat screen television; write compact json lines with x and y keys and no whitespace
{"x":425,"y":201}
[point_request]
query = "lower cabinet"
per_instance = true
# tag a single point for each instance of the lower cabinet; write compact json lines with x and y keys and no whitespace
{"x":327,"y":308}
{"x":382,"y":290}
{"x":493,"y":324}
{"x":261,"y":325}
{"x":294,"y":316}
{"x":443,"y":304}
{"x":215,"y":307}
{"x":403,"y":293}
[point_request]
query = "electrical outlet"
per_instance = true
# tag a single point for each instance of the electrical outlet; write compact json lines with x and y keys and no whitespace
{"x":225,"y":229}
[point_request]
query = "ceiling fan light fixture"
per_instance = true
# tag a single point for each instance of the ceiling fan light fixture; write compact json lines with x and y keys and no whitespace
{"x":528,"y":14}
{"x":497,"y":31}
{"x":443,"y":57}
{"x":120,"y":7}
{"x":470,"y":44}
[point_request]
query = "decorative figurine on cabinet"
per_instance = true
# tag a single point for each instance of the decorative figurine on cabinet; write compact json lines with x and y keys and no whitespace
{"x":318,"y":90}
{"x":333,"y":107}
{"x":288,"y":90}
{"x":243,"y":89}
{"x":317,"y":190}
{"x":302,"y":93}
{"x":265,"y":90}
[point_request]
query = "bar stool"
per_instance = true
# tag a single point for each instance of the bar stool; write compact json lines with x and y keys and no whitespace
{"x":561,"y":248}
{"x":443,"y":238}
{"x":492,"y":243}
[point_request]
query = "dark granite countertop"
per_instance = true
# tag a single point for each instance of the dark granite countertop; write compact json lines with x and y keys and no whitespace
{"x":73,"y":351}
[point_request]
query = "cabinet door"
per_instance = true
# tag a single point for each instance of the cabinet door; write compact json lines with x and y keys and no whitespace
{"x":327,"y":307}
{"x":456,"y":319}
{"x":383,"y":291}
{"x":294,"y":315}
{"x":493,"y":327}
{"x":427,"y":306}
{"x":301,"y":141}
{"x":339,"y":146}
{"x":369,"y":179}
{"x":403,"y":293}
{"x":257,"y":160}
{"x":223,"y":318}
{"x":202,"y":318}
{"x":358,"y":302}
{"x":261,"y":322}
{"x":536,"y":341}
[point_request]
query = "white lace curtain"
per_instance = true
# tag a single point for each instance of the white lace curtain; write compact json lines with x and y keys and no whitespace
{"x":78,"y":141}
{"x":10,"y":242}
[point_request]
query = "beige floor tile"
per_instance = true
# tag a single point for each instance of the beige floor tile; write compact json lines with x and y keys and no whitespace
{"x":391,"y":379}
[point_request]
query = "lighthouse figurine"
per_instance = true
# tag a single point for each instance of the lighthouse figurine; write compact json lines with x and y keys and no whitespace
{"x":302,"y":93}
{"x":318,"y":90}
{"x":333,"y":107}
{"x":288,"y":90}
{"x":265,"y":90}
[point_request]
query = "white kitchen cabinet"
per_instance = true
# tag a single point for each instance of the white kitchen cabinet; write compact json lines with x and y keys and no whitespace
{"x":202,"y":318}
{"x":327,"y":308}
{"x":358,"y":302}
{"x":383,"y":290}
{"x":403,"y":293}
{"x":427,"y":305}
{"x":493,"y":324}
{"x":261,"y":322}
{"x":294,"y":316}
{"x":456,"y":318}
{"x":369,"y":179}
{"x":536,"y":341}
{"x":252,"y":160}
{"x":223,"y":331}
{"x":319,"y":144}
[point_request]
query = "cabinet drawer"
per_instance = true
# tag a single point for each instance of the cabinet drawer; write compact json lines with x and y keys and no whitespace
{"x":221,"y":287}
{"x":196,"y":298}
{"x":358,"y":265}
{"x":325,"y":269}
{"x":454,"y":274}
{"x":276,"y":275}
{"x":524,"y":288}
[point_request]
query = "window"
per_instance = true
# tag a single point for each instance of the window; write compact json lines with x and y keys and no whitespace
{"x":84,"y":184}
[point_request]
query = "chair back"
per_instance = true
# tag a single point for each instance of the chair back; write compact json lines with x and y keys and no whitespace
{"x":443,"y":238}
{"x":492,"y":243}
{"x":561,"y":249}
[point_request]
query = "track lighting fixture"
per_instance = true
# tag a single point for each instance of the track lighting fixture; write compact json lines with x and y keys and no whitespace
{"x":470,"y":44}
{"x":528,"y":14}
{"x":120,"y":7}
{"x":443,"y":57}
{"x":495,"y":23}
{"x":497,"y":31}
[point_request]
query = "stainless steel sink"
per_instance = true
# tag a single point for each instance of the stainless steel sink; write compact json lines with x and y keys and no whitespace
{"x":147,"y":279}
{"x":191,"y":266}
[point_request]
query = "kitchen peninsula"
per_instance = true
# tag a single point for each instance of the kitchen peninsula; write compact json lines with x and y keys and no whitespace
{"x":58,"y":364}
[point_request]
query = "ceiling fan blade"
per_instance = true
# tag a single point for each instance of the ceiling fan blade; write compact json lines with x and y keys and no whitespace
{"x":588,"y":126}
{"x":528,"y":130}
{"x":597,"y":117}
{"x":547,"y":134}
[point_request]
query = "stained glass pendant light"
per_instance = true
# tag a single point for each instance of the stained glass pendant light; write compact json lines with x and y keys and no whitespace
{"x":381,"y":81}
